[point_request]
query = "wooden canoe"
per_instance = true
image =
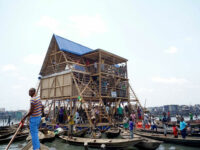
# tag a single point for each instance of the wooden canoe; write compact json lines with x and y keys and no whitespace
{"x":112,"y":132}
{"x":80,"y":133}
{"x":96,"y":143}
{"x":59,"y":133}
{"x":50,"y":136}
{"x":146,"y":143}
{"x":161,"y":131}
{"x":149,"y":144}
{"x":189,"y":141}
{"x":95,"y":135}
{"x":6,"y":131}
{"x":5,"y":135}
{"x":19,"y":137}
{"x":30,"y":147}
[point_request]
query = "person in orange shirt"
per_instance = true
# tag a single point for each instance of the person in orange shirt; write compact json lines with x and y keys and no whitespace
{"x":175,"y":130}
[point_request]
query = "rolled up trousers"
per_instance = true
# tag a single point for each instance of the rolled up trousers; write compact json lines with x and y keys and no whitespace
{"x":34,"y":125}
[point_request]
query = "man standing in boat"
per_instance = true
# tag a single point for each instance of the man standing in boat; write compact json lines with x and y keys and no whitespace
{"x":183,"y":126}
{"x":164,"y":121}
{"x":35,"y":113}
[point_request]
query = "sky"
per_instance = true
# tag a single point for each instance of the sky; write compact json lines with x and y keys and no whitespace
{"x":160,"y":39}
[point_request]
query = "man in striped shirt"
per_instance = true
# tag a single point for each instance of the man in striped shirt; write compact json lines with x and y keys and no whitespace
{"x":35,"y":113}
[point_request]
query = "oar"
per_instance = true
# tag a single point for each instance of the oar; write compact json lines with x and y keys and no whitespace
{"x":20,"y":125}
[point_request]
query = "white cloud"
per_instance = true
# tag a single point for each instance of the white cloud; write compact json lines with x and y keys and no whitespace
{"x":145,"y":90}
{"x":34,"y":59}
{"x":48,"y":22}
{"x":82,"y":25}
{"x":171,"y":50}
{"x":188,"y":39}
{"x":9,"y":67}
{"x":87,"y":25}
{"x":172,"y":80}
{"x":16,"y":86}
{"x":22,"y":78}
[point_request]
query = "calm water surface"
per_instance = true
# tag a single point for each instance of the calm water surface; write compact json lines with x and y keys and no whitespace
{"x":60,"y":145}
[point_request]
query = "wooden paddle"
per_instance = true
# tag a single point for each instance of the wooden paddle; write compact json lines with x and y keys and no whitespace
{"x":20,"y":125}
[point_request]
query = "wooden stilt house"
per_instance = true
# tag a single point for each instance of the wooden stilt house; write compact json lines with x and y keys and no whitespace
{"x":73,"y":75}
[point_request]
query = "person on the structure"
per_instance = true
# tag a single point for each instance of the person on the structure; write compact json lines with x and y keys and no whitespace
{"x":64,"y":115}
{"x":96,"y":112}
{"x":35,"y":113}
{"x":131,"y":125}
{"x":57,"y":114}
{"x":77,"y":117}
{"x":189,"y":130}
{"x":93,"y":119}
{"x":95,"y":67}
{"x":9,"y":119}
{"x":175,"y":130}
{"x":139,"y":113}
{"x":191,"y":116}
{"x":160,"y":117}
{"x":57,"y":126}
{"x":196,"y":116}
{"x":133,"y":116}
{"x":120,"y":112}
{"x":145,"y":121}
{"x":61,"y":115}
{"x":153,"y":123}
{"x":108,"y":109}
{"x":168,"y":116}
{"x":126,"y":122}
{"x":183,"y":126}
{"x":102,"y":65}
{"x":71,"y":123}
{"x":164,"y":121}
{"x":126,"y":110}
{"x":177,"y":119}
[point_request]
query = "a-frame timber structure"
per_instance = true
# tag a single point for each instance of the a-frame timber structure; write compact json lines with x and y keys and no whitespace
{"x":74,"y":76}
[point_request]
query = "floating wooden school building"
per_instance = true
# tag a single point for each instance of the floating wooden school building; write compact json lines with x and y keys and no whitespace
{"x":74,"y":75}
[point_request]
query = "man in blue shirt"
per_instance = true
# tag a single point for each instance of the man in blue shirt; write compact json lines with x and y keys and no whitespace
{"x":183,"y":128}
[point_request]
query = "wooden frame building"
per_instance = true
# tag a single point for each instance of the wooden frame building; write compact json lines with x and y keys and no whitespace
{"x":74,"y":76}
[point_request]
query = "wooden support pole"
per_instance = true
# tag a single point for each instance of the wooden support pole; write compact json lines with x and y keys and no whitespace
{"x":100,"y":61}
{"x":50,"y":109}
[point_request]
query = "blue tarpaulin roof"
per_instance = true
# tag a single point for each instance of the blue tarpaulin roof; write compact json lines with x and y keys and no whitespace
{"x":71,"y":47}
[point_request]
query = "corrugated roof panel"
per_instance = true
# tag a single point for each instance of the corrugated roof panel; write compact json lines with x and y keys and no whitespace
{"x":71,"y":47}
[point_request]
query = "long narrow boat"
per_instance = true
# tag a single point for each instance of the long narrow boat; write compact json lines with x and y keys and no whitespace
{"x":95,"y":135}
{"x":80,"y":133}
{"x":58,"y":132}
{"x":50,"y":136}
{"x":6,"y":131}
{"x":146,"y":143}
{"x":20,"y":137}
{"x":112,"y":132}
{"x":149,"y":144}
{"x":5,"y":135}
{"x":189,"y":141}
{"x":161,"y":131}
{"x":30,"y":147}
{"x":96,"y":143}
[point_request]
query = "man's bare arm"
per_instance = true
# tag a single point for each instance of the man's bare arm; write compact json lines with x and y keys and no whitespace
{"x":29,"y":112}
